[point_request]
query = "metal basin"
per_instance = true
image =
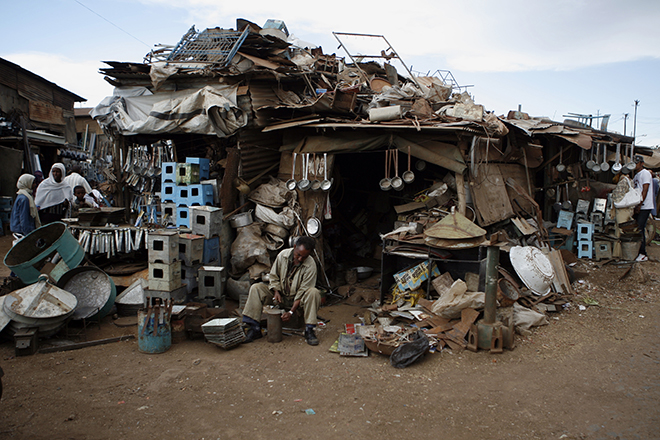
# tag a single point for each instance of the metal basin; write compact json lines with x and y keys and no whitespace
{"x":94,"y":289}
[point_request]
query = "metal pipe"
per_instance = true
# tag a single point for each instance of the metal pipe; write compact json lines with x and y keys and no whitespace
{"x":492,"y":261}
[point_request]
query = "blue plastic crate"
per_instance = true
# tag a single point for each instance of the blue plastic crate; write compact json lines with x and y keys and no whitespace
{"x":200,"y":195}
{"x":211,"y":250}
{"x":182,"y":216}
{"x":204,"y":166}
{"x":168,"y":172}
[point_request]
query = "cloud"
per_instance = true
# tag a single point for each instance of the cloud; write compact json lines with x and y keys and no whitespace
{"x":80,"y":77}
{"x":471,"y":35}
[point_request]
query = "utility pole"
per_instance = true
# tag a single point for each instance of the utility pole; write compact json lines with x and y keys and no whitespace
{"x":635,"y":120}
{"x":625,"y":119}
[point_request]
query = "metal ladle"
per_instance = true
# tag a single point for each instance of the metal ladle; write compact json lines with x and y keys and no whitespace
{"x":326,"y":184}
{"x":397,"y":182}
{"x":316,"y":183}
{"x":560,"y":166}
{"x":631,"y":165}
{"x":386,"y":183}
{"x":617,"y":162}
{"x":291,"y":183}
{"x":408,"y":176}
{"x":604,"y":166}
{"x":596,"y":167}
{"x":590,"y":163}
{"x":304,"y":184}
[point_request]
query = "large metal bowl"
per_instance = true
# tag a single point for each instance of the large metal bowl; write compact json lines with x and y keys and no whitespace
{"x":363,"y":272}
{"x":533,"y":268}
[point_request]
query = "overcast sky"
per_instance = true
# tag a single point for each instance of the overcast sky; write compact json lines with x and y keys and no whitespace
{"x":550,"y":57}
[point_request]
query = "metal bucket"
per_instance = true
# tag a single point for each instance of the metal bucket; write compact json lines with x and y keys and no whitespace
{"x":27,"y":256}
{"x":154,"y":330}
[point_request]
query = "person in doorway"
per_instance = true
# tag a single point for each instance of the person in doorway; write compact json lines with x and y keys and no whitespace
{"x":643,"y":181}
{"x":292,"y":285}
{"x":24,"y":214}
{"x":53,"y":195}
{"x":82,"y":200}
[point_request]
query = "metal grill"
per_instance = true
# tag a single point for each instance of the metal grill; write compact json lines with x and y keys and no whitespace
{"x":216,"y":46}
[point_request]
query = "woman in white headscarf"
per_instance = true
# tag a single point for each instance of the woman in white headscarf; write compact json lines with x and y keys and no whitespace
{"x":53,"y":195}
{"x":24,"y":214}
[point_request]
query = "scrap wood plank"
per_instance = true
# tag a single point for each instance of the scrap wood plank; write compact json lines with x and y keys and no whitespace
{"x":489,"y":194}
{"x":561,"y":281}
{"x":460,"y":330}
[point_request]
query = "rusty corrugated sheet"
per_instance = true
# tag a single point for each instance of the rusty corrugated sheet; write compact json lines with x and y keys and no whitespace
{"x":45,"y":112}
{"x":259,"y":151}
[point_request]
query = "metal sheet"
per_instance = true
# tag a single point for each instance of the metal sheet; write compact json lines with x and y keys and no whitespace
{"x":4,"y":318}
{"x":40,"y":301}
{"x":93,"y":289}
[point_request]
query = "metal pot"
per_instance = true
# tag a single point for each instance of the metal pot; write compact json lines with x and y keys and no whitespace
{"x":291,"y":183}
{"x":241,"y":219}
{"x":313,"y":227}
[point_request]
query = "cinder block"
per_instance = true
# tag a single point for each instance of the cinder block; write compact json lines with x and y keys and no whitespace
{"x":182,"y":216}
{"x":204,"y":166}
{"x":169,"y":209}
{"x":187,"y":173}
{"x":182,"y":195}
{"x":166,"y":277}
{"x":585,"y":249}
{"x":602,"y":250}
{"x":565,"y":219}
{"x":200,"y":195}
{"x":168,"y":172}
{"x":168,"y":192}
{"x":211,"y":280}
{"x":163,"y":246}
{"x":206,"y":220}
{"x":585,"y":231}
{"x":191,"y":249}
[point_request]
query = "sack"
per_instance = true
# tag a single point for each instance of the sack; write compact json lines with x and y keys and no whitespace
{"x":625,"y":195}
{"x":408,"y":353}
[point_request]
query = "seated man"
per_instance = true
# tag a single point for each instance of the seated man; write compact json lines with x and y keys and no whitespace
{"x":292,"y":281}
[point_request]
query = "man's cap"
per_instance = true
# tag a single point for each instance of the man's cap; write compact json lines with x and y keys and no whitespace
{"x":638,"y":158}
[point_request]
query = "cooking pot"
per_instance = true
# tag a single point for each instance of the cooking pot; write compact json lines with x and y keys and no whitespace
{"x":313,"y":227}
{"x":241,"y":219}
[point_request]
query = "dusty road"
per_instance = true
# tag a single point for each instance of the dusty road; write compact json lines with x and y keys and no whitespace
{"x":591,"y":374}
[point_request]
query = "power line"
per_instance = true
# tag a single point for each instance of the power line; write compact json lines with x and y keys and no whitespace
{"x":126,"y":32}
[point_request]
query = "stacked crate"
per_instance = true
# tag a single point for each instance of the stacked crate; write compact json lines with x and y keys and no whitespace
{"x":181,"y":188}
{"x":206,"y":221}
{"x":164,"y":267}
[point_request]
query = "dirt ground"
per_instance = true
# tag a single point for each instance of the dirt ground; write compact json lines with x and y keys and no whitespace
{"x":589,"y":374}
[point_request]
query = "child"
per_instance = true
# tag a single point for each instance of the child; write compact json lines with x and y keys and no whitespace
{"x":82,"y":200}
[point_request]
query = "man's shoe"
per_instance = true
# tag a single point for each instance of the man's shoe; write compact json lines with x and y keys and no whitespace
{"x":253,"y":334}
{"x":310,"y":337}
{"x":641,"y":257}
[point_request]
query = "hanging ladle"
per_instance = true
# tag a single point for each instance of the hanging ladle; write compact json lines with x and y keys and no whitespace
{"x":560,"y":166}
{"x":631,"y":165}
{"x":604,"y":166}
{"x":596,"y":167}
{"x":617,"y":162}
{"x":408,"y":176}
{"x":590,"y":163}
{"x":386,"y":183}
{"x":316,"y":183}
{"x":326,"y":184}
{"x":291,"y":183}
{"x":397,"y":182}
{"x":304,"y":184}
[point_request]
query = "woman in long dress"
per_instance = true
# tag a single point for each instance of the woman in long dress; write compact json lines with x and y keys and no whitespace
{"x":54,"y":195}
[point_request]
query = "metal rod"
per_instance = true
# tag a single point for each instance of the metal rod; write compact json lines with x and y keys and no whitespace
{"x":492,"y":261}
